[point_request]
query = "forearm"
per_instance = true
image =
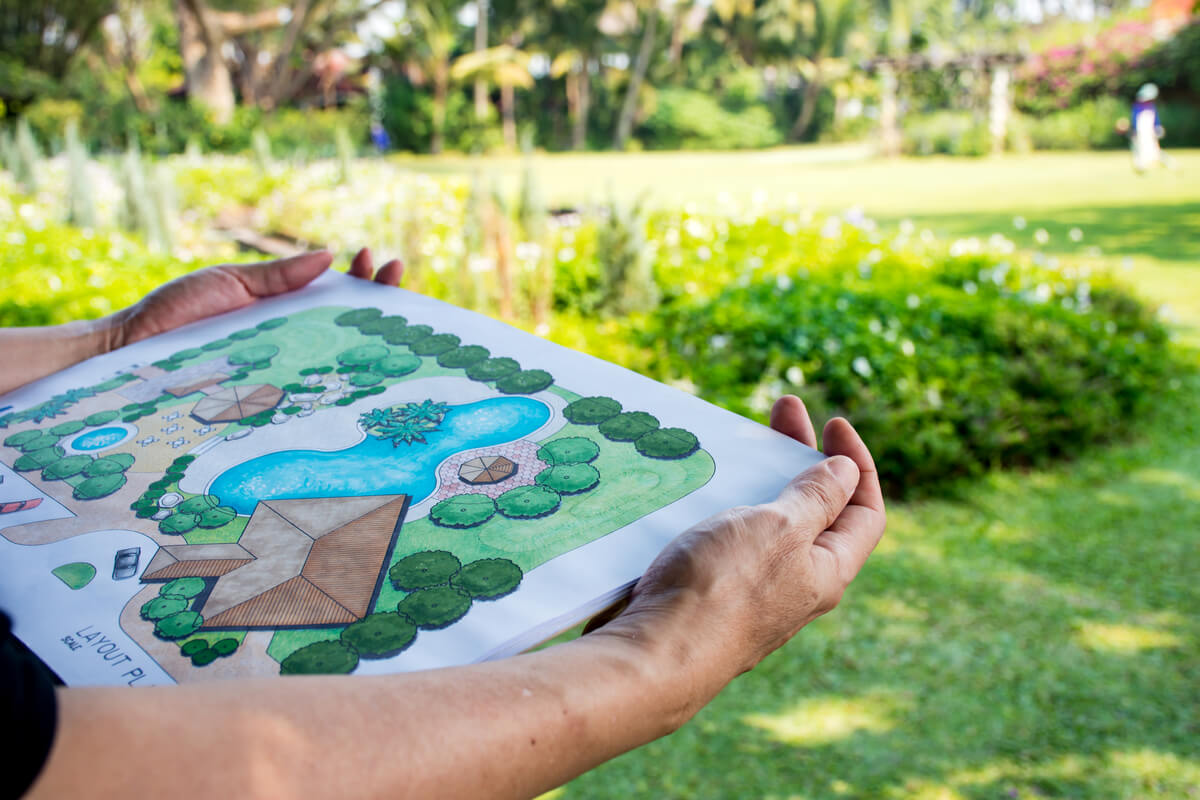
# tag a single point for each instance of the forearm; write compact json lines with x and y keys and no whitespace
{"x":27,"y":354}
{"x":511,"y":728}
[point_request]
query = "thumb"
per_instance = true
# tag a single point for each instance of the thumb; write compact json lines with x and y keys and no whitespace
{"x":282,"y":275}
{"x":815,"y":497}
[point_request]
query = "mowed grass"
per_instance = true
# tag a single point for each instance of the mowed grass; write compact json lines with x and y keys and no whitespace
{"x":1035,"y":635}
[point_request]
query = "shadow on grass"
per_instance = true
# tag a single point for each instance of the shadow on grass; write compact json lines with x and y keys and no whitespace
{"x":1036,"y":639}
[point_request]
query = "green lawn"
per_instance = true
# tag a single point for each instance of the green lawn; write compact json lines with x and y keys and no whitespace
{"x":1034,"y":636}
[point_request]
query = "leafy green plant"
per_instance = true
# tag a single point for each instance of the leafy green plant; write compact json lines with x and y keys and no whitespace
{"x":628,"y":426}
{"x":667,"y":443}
{"x":569,"y":450}
{"x":489,"y":578}
{"x":463,"y":511}
{"x":321,"y":658}
{"x":528,"y":381}
{"x":591,"y":410}
{"x":436,"y":607}
{"x":425,"y":569}
{"x":382,"y":635}
{"x":569,"y":478}
{"x":528,"y":502}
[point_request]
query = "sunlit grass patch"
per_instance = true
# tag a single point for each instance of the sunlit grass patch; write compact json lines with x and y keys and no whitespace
{"x":824,"y":720}
{"x":1120,"y":638}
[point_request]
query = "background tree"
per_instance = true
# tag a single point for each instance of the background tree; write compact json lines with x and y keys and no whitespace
{"x":39,"y":41}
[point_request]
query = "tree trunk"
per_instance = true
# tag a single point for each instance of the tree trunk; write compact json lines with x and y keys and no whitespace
{"x":808,"y":106}
{"x":209,"y":82}
{"x":481,"y":40}
{"x":441,"y":91}
{"x":629,"y":109}
{"x":889,"y":112}
{"x":579,"y":131}
{"x":508,"y":103}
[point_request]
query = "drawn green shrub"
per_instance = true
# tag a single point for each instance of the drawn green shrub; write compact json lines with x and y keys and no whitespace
{"x":198,"y":504}
{"x":178,"y":524}
{"x":376,"y":390}
{"x":204,"y":657}
{"x":100,"y":418}
{"x":216,"y":345}
{"x":410,"y":335}
{"x":463,"y":356}
{"x":68,"y":427}
{"x":112,"y":383}
{"x":99,"y":486}
{"x":492,"y":369}
{"x":570,"y":450}
{"x":357,"y":317}
{"x":22,"y":438}
{"x":569,"y":478}
{"x":193,"y":646}
{"x":380,"y":635}
{"x":529,"y":381}
{"x":253,"y":355}
{"x":271,"y":324}
{"x":434,"y":608}
{"x":189,"y":353}
{"x":321,"y":658}
{"x":66,"y":467}
{"x":242,"y":335}
{"x":178,"y":625}
{"x":38,"y":459}
{"x":489,"y":578}
{"x":365,"y":378}
{"x":435,"y":345}
{"x":42,"y":441}
{"x":216,"y":517}
{"x":528,"y":502}
{"x":396,"y":365}
{"x":160,"y":607}
{"x":161,"y":483}
{"x":425,"y":569}
{"x":628,"y":426}
{"x":225,"y":647}
{"x":143,"y":509}
{"x":463,"y":511}
{"x":345,"y":401}
{"x":385,"y":326}
{"x":667,"y":443}
{"x":362,"y":355}
{"x":591,"y":410}
{"x":76,"y":575}
{"x":103,"y":466}
{"x":124,"y":459}
{"x":182,"y":587}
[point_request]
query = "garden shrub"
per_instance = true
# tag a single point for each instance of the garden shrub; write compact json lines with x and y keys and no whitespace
{"x":178,"y":524}
{"x":570,"y":478}
{"x":628,"y":426}
{"x":193,"y":646}
{"x":160,"y":607}
{"x":272,"y":324}
{"x":99,"y":486}
{"x":253,"y":355}
{"x":42,"y":441}
{"x":425,"y":569}
{"x":100,"y":418}
{"x":38,"y":459}
{"x":67,"y":428}
{"x":396,"y":365}
{"x":321,"y":658}
{"x":356,"y":317}
{"x":243,"y":335}
{"x":22,"y":438}
{"x":667,"y":443}
{"x":363,"y":355}
{"x":691,"y":119}
{"x":216,"y":517}
{"x":591,"y":410}
{"x":489,"y":578}
{"x":953,"y":133}
{"x":569,"y":450}
{"x":463,"y":511}
{"x":528,"y":381}
{"x":528,"y":502}
{"x":463,"y":356}
{"x":435,"y":345}
{"x":384,"y":326}
{"x":436,"y":607}
{"x":66,"y":467}
{"x":187,"y":354}
{"x":1089,"y":125}
{"x":410,"y":335}
{"x":380,"y":635}
{"x":492,"y":369}
{"x":204,"y":657}
{"x":103,"y":466}
{"x":225,"y":647}
{"x":198,"y":504}
{"x":365,"y":378}
{"x":179,"y":625}
{"x":182,"y":587}
{"x":219,"y":344}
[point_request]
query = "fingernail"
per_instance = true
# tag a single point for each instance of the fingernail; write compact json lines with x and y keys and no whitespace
{"x":845,"y":470}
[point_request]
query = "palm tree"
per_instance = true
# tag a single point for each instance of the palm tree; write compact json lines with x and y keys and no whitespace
{"x":830,"y":38}
{"x":429,"y":47}
{"x":648,"y":11}
{"x":505,"y":66}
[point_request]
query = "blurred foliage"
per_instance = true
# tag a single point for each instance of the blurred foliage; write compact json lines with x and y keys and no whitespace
{"x":684,"y":119}
{"x":951,"y":133}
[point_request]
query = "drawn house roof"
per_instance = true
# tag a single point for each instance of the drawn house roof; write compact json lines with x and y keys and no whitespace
{"x":236,"y":403}
{"x":486,"y":469}
{"x":307,"y":562}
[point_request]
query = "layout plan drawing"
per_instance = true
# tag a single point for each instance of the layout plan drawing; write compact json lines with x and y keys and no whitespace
{"x":347,"y":479}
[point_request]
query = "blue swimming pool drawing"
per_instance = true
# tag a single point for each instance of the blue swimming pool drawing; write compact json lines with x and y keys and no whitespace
{"x":99,"y":439}
{"x":374,"y":466}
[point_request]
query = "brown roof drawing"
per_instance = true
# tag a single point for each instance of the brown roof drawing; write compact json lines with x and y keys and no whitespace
{"x":486,"y":469}
{"x":312,"y":562}
{"x":236,"y":403}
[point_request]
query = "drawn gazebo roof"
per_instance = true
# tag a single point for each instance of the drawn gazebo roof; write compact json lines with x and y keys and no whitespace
{"x":486,"y":469}
{"x":237,"y":402}
{"x":300,"y":563}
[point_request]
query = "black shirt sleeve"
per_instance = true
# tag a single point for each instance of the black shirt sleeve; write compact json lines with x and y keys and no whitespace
{"x":28,"y":712}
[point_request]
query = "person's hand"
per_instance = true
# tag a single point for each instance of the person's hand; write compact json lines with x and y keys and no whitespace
{"x":729,"y":591}
{"x":226,"y":287}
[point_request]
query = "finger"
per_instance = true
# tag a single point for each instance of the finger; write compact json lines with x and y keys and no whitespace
{"x":840,"y":438}
{"x":790,"y":417}
{"x":815,"y":497}
{"x":282,"y":275}
{"x":360,"y":265}
{"x":390,"y":273}
{"x":851,"y":538}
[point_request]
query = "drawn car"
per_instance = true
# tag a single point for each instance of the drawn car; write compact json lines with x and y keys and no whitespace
{"x":125,"y":563}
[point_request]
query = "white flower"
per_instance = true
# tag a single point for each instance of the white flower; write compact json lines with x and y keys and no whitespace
{"x":862,"y":367}
{"x":907,"y":347}
{"x":795,"y":376}
{"x":718,"y":342}
{"x":566,"y":254}
{"x":1076,"y":235}
{"x":672,"y":237}
{"x":783,"y":283}
{"x":695,"y":228}
{"x":1019,"y":223}
{"x":907,"y":227}
{"x":703,"y":253}
{"x":1041,"y":236}
{"x":970,"y":287}
{"x":912,"y":301}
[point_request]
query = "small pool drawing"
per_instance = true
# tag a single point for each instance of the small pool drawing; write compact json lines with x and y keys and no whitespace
{"x":100,"y":438}
{"x":374,"y":466}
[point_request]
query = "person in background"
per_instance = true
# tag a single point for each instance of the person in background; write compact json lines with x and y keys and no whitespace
{"x":1144,"y":130}
{"x":719,"y":598}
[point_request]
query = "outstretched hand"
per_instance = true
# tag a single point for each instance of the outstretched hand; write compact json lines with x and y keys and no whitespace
{"x":227,"y":287}
{"x":730,"y":590}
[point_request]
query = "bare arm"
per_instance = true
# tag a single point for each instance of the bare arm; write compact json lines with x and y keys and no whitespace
{"x":721,"y":597}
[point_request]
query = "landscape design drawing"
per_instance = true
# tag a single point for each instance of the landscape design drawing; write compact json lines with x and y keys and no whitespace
{"x":323,"y":488}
